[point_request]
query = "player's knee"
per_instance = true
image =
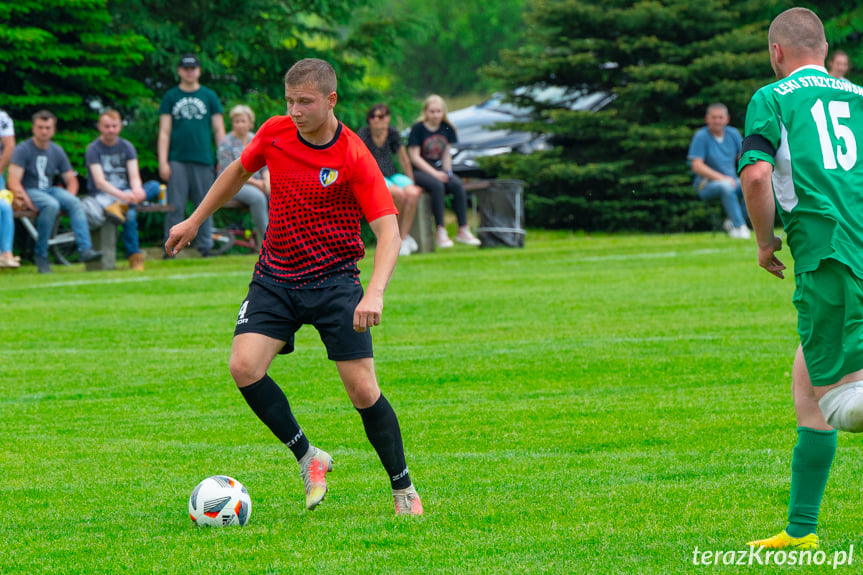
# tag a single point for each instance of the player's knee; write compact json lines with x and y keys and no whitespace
{"x":413,"y":192}
{"x":362,"y":393}
{"x":843,"y":407}
{"x":244,"y":371}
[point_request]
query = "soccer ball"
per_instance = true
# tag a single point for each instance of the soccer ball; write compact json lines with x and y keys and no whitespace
{"x":218,"y":501}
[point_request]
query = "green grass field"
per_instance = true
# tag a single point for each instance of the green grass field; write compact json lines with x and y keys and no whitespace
{"x":583,"y":405}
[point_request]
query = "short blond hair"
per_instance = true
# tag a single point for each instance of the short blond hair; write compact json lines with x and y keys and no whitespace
{"x":799,"y":28}
{"x":313,"y":72}
{"x":242,"y":109}
{"x":113,"y":114}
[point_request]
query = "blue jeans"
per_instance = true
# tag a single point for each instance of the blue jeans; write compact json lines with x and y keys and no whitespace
{"x":129,"y":233}
{"x":7,"y":226}
{"x":49,"y":203}
{"x":731,"y":196}
{"x":151,"y":188}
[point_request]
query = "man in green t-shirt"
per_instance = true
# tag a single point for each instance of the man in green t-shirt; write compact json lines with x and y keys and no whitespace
{"x":190,"y":118}
{"x":801,"y":145}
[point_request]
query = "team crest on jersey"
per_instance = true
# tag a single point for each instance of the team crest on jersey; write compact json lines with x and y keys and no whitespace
{"x":328,"y":176}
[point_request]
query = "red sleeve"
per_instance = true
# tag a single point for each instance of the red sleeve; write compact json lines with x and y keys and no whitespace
{"x":252,"y":157}
{"x":369,"y":186}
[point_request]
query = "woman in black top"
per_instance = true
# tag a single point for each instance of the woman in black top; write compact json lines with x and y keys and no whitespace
{"x":428,"y":147}
{"x":383,"y":141}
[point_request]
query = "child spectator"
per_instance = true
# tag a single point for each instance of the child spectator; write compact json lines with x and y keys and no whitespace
{"x":428,"y":146}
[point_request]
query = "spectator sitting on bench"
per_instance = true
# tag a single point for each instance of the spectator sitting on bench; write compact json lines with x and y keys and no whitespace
{"x":7,"y":220}
{"x":255,"y":193}
{"x":713,"y":155}
{"x":428,"y":146}
{"x":383,"y":141}
{"x":115,"y":182}
{"x":34,"y":165}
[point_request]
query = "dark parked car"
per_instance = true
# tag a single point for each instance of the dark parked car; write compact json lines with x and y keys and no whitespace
{"x":478,"y":136}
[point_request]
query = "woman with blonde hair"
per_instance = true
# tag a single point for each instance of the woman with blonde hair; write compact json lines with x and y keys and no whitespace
{"x":256,"y":192}
{"x":428,"y":148}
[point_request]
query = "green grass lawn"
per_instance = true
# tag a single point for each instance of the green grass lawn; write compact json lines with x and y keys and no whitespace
{"x":583,"y":405}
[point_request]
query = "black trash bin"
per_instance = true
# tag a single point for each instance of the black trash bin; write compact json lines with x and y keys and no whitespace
{"x":501,"y":214}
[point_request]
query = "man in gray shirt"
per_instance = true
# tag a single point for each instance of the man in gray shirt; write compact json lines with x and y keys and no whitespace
{"x":115,"y":181}
{"x":34,"y":165}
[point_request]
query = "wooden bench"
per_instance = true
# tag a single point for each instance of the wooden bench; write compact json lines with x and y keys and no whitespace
{"x":104,"y":238}
{"x":27,"y":213}
{"x":424,"y":229}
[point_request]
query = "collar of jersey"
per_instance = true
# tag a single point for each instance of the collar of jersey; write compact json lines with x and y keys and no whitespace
{"x":808,"y":67}
{"x":323,"y":146}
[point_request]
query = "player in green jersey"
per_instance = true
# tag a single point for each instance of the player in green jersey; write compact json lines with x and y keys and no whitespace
{"x":801,"y":144}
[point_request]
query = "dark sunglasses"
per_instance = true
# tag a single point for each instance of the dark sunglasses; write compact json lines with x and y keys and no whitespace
{"x":380,"y":116}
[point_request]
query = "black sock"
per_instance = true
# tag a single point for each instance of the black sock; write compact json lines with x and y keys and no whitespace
{"x":269,"y":403}
{"x":382,"y":429}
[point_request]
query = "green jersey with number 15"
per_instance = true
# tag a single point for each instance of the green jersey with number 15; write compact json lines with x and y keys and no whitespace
{"x":813,"y":123}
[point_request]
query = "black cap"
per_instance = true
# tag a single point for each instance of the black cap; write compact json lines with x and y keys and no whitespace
{"x":189,"y":61}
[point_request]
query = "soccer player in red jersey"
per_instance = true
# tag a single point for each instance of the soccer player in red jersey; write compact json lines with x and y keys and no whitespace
{"x":323,"y":181}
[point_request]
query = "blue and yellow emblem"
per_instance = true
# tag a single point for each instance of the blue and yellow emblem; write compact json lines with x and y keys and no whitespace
{"x":328,"y":176}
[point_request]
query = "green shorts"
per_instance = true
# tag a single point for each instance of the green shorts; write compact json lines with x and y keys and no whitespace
{"x":829,"y":304}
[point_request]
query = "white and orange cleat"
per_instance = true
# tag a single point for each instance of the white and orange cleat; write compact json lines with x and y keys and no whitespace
{"x":407,"y":501}
{"x":314,"y":466}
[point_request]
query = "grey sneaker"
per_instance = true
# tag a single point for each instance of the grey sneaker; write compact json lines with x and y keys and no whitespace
{"x":407,"y":501}
{"x":314,"y":466}
{"x":42,"y":265}
{"x":89,"y":255}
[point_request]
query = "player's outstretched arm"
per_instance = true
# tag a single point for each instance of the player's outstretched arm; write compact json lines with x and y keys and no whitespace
{"x":369,"y":310}
{"x":755,"y":180}
{"x":225,"y":187}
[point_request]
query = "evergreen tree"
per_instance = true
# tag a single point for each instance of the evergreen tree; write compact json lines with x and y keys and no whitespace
{"x":624,"y":167}
{"x":61,"y":56}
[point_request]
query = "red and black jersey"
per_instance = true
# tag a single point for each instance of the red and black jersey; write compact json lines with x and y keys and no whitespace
{"x":318,"y":196}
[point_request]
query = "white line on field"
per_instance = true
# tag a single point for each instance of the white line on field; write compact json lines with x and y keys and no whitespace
{"x":179,"y":277}
{"x":73,"y":350}
{"x":647,"y":255}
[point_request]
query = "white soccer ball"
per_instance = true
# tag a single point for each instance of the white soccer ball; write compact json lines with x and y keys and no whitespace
{"x":218,"y":501}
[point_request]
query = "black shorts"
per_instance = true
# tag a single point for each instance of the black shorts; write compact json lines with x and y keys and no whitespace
{"x":279,"y":312}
